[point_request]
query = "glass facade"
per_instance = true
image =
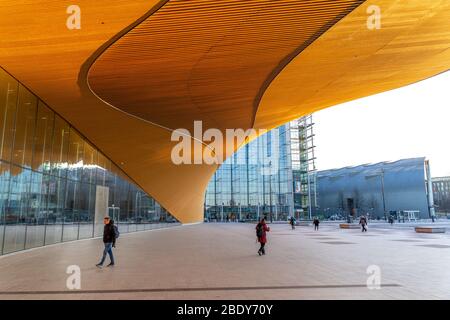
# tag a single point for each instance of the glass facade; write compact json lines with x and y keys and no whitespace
{"x":54,"y":185}
{"x":441,"y":194}
{"x":304,"y":168}
{"x":243,"y":190}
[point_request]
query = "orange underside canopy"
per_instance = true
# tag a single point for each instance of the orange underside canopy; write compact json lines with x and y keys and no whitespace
{"x":137,"y":70}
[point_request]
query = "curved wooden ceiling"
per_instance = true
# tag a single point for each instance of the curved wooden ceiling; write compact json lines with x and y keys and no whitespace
{"x":208,"y":60}
{"x":48,"y":58}
{"x":199,"y":63}
{"x":350,"y":61}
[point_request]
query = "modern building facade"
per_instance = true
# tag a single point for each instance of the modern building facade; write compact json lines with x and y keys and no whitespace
{"x":441,"y":194}
{"x":303,"y":167}
{"x":377,"y":190}
{"x":55,"y":186}
{"x":130,"y":73}
{"x":267,"y":177}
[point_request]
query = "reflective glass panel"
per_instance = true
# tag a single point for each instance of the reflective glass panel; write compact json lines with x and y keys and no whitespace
{"x":43,"y":139}
{"x":16,"y":215}
{"x":8,"y":105}
{"x":25,"y":124}
{"x":37,"y":212}
{"x":56,"y":190}
{"x":60,"y":147}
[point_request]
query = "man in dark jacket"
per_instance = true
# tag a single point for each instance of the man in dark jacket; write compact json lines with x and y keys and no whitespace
{"x":109,"y":239}
{"x":316,"y":224}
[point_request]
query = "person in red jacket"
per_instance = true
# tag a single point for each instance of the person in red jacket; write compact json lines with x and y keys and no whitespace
{"x":261,"y":229}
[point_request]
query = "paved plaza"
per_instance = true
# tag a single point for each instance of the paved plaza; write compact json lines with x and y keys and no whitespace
{"x":219,"y":261}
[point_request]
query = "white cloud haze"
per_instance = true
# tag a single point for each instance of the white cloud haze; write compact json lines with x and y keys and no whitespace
{"x":412,"y":121}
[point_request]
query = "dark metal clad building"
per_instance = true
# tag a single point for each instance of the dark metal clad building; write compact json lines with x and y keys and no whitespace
{"x":375,"y":189}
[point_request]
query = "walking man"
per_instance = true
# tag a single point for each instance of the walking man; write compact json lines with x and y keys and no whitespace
{"x":261,"y":229}
{"x":316,"y":224}
{"x":292,"y":222}
{"x":109,"y":239}
{"x":363,"y":223}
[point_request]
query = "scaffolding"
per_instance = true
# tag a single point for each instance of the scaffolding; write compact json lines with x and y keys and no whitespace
{"x":304,"y":167}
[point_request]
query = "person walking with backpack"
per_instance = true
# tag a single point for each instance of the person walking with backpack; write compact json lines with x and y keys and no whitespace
{"x":363,"y":223}
{"x":261,"y":229}
{"x":110,"y":234}
{"x":292,"y":222}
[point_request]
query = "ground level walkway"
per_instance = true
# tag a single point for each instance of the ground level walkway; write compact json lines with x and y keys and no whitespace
{"x":219,"y":261}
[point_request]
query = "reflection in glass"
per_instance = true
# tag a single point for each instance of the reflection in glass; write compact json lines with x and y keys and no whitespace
{"x":75,"y":158}
{"x":55,"y":203}
{"x":71,"y":211}
{"x":35,"y":230}
{"x":4,"y":196}
{"x":101,"y":169}
{"x":25,"y":122}
{"x":16,"y":214}
{"x":90,"y":164}
{"x":54,"y":185}
{"x":87,"y":211}
{"x":8,"y":105}
{"x":60,"y":147}
{"x":43,"y":139}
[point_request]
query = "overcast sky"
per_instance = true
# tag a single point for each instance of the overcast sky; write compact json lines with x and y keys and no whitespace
{"x":412,"y":121}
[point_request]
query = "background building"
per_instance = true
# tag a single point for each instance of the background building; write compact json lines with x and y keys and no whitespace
{"x":240,"y":190}
{"x":54,"y":185}
{"x":441,"y":194}
{"x":375,"y":189}
{"x":303,"y":167}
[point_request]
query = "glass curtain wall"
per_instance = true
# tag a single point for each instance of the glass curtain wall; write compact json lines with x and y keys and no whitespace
{"x":241,"y":190}
{"x":54,"y":185}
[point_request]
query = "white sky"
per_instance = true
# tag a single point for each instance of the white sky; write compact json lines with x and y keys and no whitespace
{"x":412,"y":121}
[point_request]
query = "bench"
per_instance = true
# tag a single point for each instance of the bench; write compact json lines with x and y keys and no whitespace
{"x":429,"y":230}
{"x":349,"y":226}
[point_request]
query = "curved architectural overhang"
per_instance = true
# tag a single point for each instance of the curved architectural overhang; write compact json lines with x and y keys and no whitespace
{"x":351,"y":61}
{"x":333,"y":59}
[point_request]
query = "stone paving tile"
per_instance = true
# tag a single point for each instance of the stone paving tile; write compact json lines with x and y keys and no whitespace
{"x":224,"y":256}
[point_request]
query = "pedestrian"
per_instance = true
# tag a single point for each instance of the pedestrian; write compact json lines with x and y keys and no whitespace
{"x":363,"y":223}
{"x":391,"y":220}
{"x":109,"y":240}
{"x":261,"y":229}
{"x":292,"y":222}
{"x":316,"y":224}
